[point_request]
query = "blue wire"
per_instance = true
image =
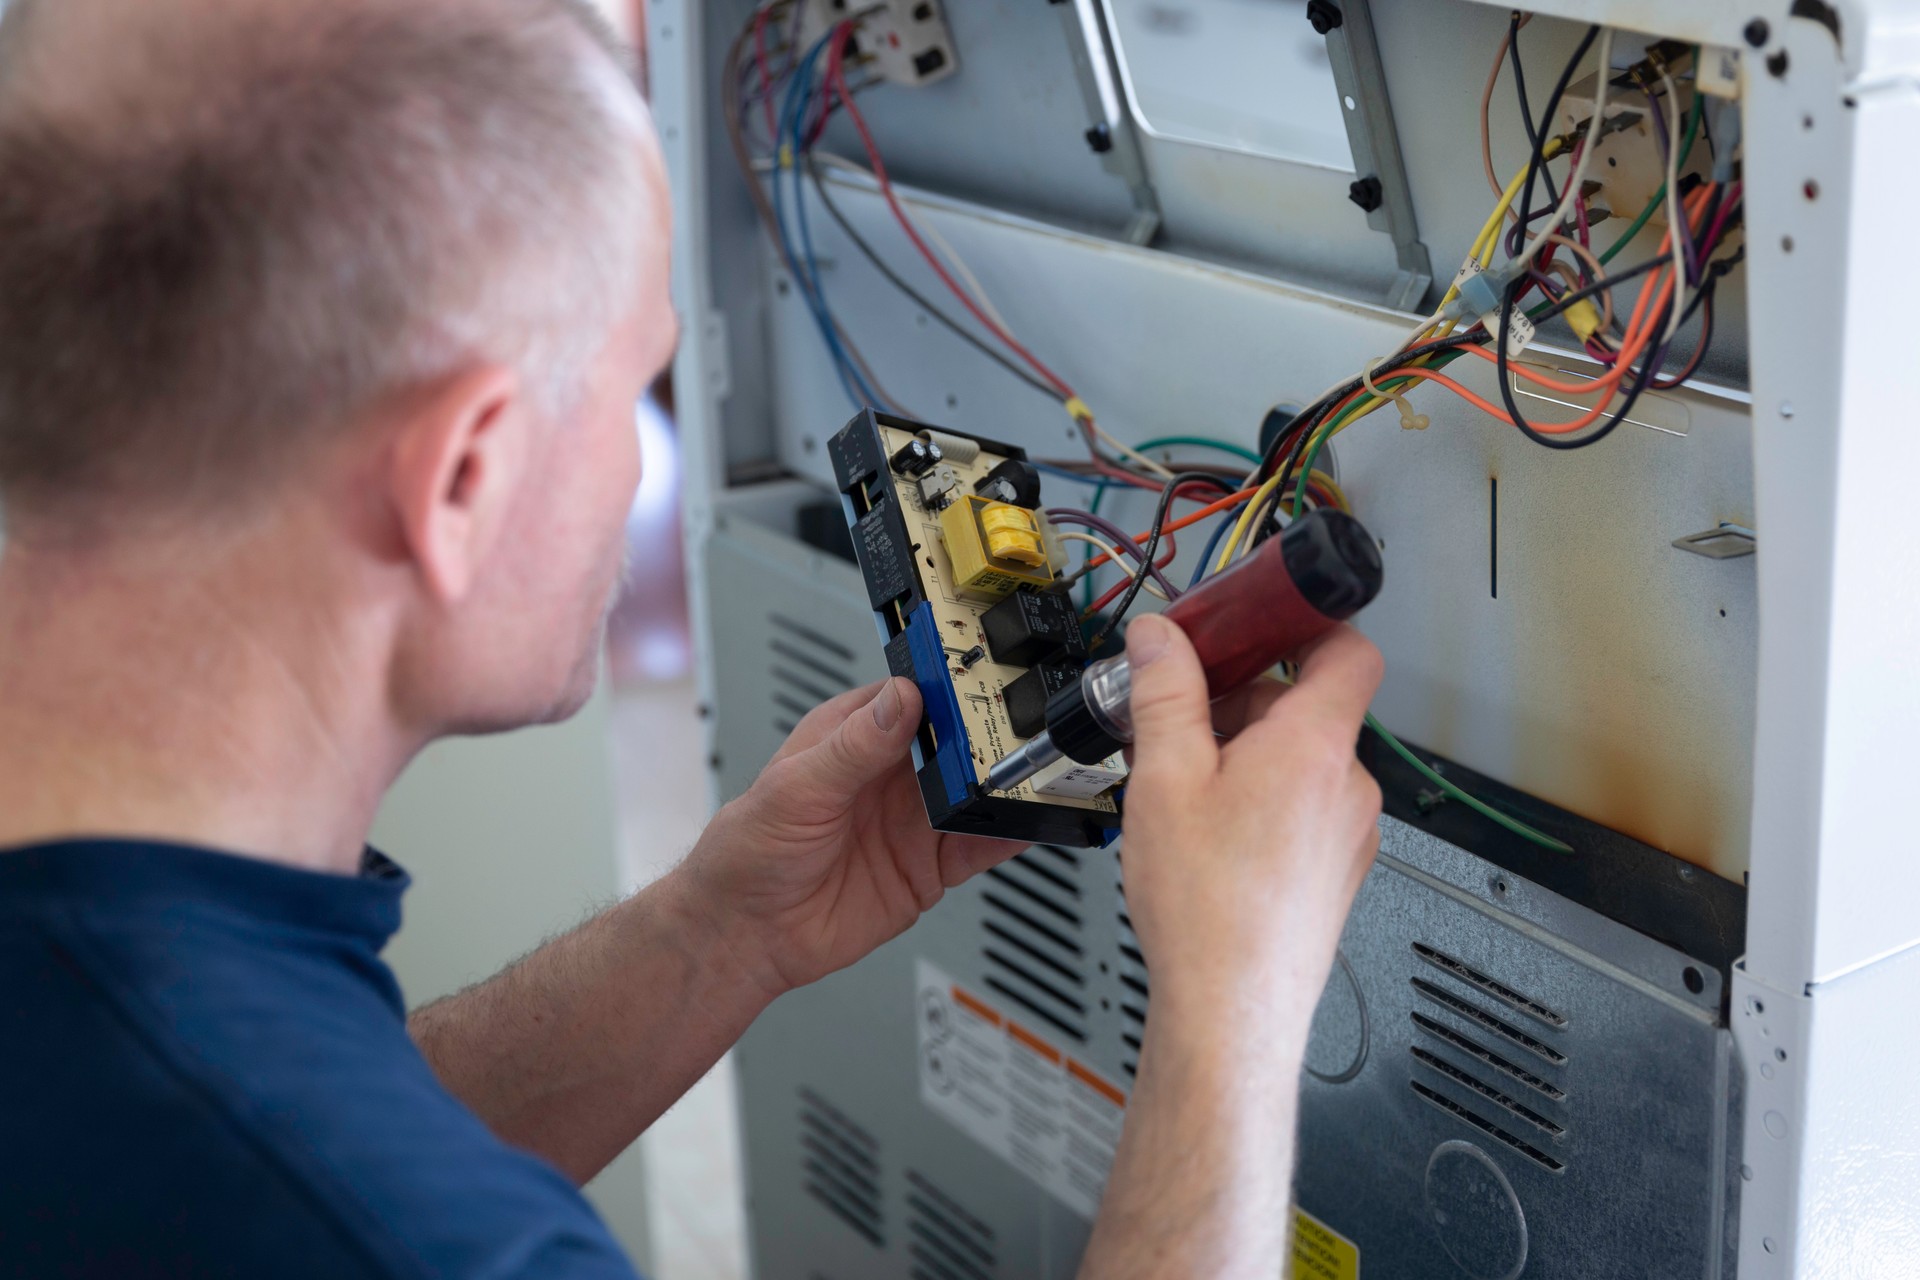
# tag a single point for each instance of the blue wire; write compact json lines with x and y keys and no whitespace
{"x":793,"y":120}
{"x":1227,"y":520}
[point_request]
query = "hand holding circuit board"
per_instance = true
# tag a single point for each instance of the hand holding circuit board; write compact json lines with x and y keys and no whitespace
{"x":1021,"y":738}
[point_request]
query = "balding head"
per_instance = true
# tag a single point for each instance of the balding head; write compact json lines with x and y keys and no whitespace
{"x":228,"y":228}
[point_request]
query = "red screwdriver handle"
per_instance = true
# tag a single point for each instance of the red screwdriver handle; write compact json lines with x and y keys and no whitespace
{"x":1291,"y":591}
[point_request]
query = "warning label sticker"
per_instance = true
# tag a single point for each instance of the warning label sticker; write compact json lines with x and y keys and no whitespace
{"x":1016,"y":1093}
{"x":1320,"y":1252}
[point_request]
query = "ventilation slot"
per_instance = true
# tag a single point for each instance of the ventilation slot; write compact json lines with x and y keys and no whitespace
{"x":1490,"y":986}
{"x":1510,"y":1106}
{"x":1031,"y":925}
{"x":1512,"y":1071}
{"x":1487,"y":1127}
{"x":1487,"y":1022}
{"x":947,"y":1242}
{"x":807,"y":668}
{"x":840,"y":1167}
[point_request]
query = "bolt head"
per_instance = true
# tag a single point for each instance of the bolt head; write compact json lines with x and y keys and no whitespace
{"x":1324,"y":15}
{"x":1366,"y":193}
{"x":1757,"y":32}
{"x":1100,"y":138}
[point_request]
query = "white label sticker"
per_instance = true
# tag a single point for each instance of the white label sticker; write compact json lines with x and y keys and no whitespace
{"x":1016,"y":1093}
{"x":1520,"y":329}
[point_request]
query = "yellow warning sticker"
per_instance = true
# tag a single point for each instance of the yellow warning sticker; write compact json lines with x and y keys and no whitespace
{"x":1320,"y":1252}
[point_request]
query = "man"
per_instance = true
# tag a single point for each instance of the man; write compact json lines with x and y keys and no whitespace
{"x":320,"y":329}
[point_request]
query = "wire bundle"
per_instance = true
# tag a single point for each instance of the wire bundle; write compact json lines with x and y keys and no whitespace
{"x":796,"y":91}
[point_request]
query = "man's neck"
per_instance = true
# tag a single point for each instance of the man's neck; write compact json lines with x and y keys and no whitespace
{"x":206,"y":696}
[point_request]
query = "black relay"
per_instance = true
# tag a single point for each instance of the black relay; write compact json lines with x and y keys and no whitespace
{"x":1027,"y":697}
{"x":1033,"y":626}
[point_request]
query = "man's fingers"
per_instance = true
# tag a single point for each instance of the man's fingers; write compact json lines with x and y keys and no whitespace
{"x":824,"y":719}
{"x":1246,"y":705}
{"x":1339,"y":674}
{"x":869,"y":740}
{"x":1172,"y":723}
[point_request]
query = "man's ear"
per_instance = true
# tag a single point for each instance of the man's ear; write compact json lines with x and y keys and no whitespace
{"x":458,"y":456}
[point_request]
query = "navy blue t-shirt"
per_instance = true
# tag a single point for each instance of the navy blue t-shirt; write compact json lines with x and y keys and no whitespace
{"x":205,"y":1071}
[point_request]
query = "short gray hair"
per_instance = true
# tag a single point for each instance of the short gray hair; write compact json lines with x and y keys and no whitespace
{"x":229,"y":225}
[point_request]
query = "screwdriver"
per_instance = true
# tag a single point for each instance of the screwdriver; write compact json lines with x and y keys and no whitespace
{"x":1323,"y":569}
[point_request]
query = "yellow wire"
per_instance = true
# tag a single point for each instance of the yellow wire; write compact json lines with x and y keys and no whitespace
{"x":1481,"y":252}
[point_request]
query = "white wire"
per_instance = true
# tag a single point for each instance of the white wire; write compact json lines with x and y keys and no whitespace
{"x":1578,"y":177}
{"x":958,"y":265}
{"x":1676,"y":211}
{"x":1114,"y":554}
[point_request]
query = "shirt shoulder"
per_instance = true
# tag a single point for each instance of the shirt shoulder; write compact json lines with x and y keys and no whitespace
{"x":221,"y":1093}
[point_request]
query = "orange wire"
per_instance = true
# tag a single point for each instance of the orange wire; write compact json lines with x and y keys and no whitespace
{"x":1192,"y":517}
{"x":1656,"y":290}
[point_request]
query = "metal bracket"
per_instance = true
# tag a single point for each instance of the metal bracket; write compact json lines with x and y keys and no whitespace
{"x":1111,"y":134}
{"x":1381,"y":174}
{"x":1725,"y":541}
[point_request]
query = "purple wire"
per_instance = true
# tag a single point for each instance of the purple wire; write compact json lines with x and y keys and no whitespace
{"x":1720,"y":219}
{"x":1660,"y":133}
{"x":1117,"y":536}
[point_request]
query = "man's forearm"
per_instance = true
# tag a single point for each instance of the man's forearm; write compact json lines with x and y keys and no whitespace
{"x":576,"y":1049}
{"x":1203,"y":1177}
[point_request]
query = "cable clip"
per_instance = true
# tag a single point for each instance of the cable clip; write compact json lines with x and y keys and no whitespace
{"x":1410,"y":420}
{"x":1077,"y":409}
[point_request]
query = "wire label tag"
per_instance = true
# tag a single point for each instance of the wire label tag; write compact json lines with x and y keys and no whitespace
{"x":1520,"y":329}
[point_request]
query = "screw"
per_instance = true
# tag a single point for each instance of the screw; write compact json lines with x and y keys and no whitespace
{"x":1757,"y":32}
{"x":1366,"y":193}
{"x":1324,"y":15}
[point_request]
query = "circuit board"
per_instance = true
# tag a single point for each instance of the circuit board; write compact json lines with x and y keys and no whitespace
{"x":912,"y":496}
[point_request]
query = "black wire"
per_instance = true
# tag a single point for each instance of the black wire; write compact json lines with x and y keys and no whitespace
{"x":1152,"y":547}
{"x":1511,"y":294}
{"x":919,"y":299}
{"x":1534,"y":139}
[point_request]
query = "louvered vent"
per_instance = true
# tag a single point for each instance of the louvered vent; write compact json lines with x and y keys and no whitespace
{"x":946,"y":1242}
{"x":840,"y":1167}
{"x":1031,"y":941}
{"x":1131,"y":971}
{"x":1493,"y":1068}
{"x":808,"y":668}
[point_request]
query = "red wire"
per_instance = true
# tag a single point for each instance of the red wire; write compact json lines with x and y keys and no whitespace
{"x":836,"y":75}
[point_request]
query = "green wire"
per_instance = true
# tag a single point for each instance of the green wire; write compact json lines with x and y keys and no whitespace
{"x":1200,"y":442}
{"x":1660,"y":196}
{"x":1426,"y":771}
{"x":1485,"y":810}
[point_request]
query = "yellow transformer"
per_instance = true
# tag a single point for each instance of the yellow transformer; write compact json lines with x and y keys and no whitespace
{"x":994,"y":547}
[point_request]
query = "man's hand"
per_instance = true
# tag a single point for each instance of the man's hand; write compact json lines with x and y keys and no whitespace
{"x":1242,"y":859}
{"x":1241,"y":863}
{"x":829,"y":853}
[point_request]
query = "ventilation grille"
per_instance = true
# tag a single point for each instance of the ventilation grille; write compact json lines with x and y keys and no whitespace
{"x":807,"y":668}
{"x":1131,"y":973}
{"x":1489,"y":986}
{"x":1031,"y":937}
{"x":840,"y":1167}
{"x":945,"y":1241}
{"x":1481,"y":1065}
